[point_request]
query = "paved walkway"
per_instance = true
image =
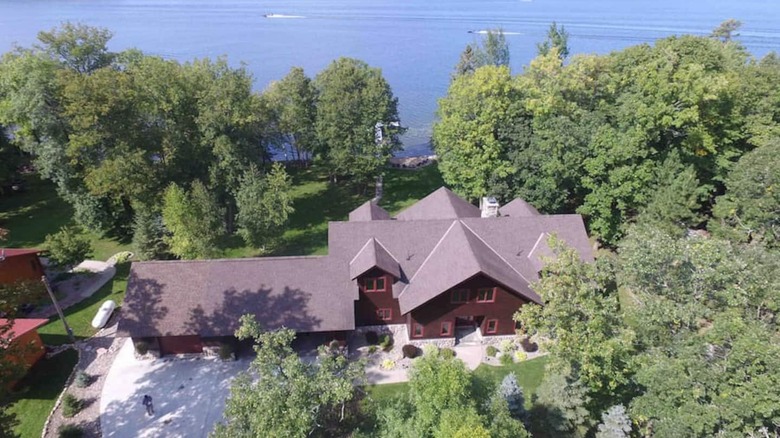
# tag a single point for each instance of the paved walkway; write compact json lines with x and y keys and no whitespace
{"x":76,"y":289}
{"x":470,"y":354}
{"x":189,"y":395}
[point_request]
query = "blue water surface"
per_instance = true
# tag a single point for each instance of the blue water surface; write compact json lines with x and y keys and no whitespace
{"x":415,"y":42}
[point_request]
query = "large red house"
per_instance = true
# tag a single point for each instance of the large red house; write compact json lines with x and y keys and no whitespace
{"x":441,"y":268}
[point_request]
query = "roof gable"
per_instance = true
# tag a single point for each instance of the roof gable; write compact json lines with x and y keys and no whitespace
{"x":441,"y":204}
{"x":518,"y":208}
{"x":458,"y":256}
{"x":369,"y":211}
{"x":374,"y":255}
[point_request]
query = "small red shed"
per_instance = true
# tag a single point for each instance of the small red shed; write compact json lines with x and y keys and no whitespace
{"x":24,"y":334}
{"x":19,"y":264}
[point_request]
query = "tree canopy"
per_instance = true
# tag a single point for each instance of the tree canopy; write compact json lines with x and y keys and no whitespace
{"x":610,"y":136}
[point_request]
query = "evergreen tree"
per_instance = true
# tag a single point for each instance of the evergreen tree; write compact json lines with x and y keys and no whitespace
{"x":558,"y":39}
{"x":510,"y":391}
{"x":614,"y":423}
{"x":149,"y":235}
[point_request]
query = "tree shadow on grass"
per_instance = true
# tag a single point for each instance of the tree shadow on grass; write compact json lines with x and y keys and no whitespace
{"x":44,"y":381}
{"x":76,"y":315}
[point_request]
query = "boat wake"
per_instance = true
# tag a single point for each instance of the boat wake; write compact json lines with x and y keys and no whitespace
{"x":486,"y":31}
{"x":282,"y":16}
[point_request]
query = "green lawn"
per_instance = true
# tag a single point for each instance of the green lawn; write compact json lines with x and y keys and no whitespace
{"x":31,"y":215}
{"x":36,"y":393}
{"x":486,"y":378}
{"x":80,"y":315}
{"x":317,"y":202}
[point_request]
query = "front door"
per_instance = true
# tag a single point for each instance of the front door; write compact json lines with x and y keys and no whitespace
{"x":464,"y":321}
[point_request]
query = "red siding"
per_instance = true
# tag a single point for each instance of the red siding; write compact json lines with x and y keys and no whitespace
{"x":369,"y":302}
{"x":180,"y":345}
{"x":20,"y":267}
{"x":31,"y":349}
{"x":441,"y":309}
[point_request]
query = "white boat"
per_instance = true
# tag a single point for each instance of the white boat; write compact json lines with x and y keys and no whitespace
{"x":282,"y":16}
{"x":103,"y":314}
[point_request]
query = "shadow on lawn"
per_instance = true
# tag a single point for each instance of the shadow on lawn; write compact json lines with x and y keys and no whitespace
{"x":80,"y":321}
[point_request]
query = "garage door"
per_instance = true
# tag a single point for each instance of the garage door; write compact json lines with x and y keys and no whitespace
{"x":180,"y":345}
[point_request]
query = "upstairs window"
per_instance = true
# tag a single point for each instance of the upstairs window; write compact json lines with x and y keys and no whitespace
{"x":374,"y":284}
{"x":486,"y":295}
{"x":460,"y":296}
{"x":384,"y":314}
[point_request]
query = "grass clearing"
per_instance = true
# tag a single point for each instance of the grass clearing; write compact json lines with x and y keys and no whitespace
{"x":485,"y":378}
{"x":31,"y":215}
{"x":79,"y":316}
{"x":35,"y":395}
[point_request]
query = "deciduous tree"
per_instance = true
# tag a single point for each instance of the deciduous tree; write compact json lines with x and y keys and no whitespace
{"x":193,"y":220}
{"x":68,"y":247}
{"x":264,"y":205}
{"x":283,"y":395}
{"x":355,"y":103}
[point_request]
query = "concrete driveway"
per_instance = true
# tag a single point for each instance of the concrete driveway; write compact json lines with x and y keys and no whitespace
{"x":188,"y":394}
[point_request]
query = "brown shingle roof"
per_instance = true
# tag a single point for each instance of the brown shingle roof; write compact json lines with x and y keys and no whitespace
{"x":311,"y":294}
{"x":457,"y":257}
{"x":518,"y":208}
{"x":374,"y":255}
{"x":208,"y":297}
{"x":441,"y":204}
{"x":369,"y":211}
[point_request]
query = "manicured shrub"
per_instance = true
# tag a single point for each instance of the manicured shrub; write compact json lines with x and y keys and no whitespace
{"x":141,"y":347}
{"x":71,"y":405}
{"x":334,"y":345}
{"x":83,"y":379}
{"x":410,"y":351}
{"x":447,"y":353}
{"x":430,"y":349}
{"x":388,"y":364}
{"x":507,"y":346}
{"x":491,"y":351}
{"x":386,"y":342}
{"x":506,"y":359}
{"x":372,"y":338}
{"x":372,"y":349}
{"x":520,"y":356}
{"x":70,"y":431}
{"x":528,"y":345}
{"x":226,"y":351}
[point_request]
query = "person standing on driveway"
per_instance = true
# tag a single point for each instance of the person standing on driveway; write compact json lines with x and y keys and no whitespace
{"x":148,"y":403}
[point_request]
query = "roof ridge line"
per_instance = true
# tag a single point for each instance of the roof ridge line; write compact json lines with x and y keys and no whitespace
{"x":538,"y":239}
{"x":497,"y":253}
{"x":361,"y":249}
{"x":385,"y":248}
{"x":429,"y":256}
{"x":223,"y":260}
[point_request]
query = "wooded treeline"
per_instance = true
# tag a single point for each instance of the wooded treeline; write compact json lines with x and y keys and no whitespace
{"x":652,"y":129}
{"x":179,"y":154}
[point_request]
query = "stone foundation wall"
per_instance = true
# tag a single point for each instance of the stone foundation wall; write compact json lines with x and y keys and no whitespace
{"x":439,"y":342}
{"x":496,"y":340}
{"x":397,"y":331}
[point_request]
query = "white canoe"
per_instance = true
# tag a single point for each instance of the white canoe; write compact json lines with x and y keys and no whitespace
{"x":103,"y":314}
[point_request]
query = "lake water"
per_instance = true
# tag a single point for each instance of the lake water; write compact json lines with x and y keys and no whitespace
{"x":415,"y":42}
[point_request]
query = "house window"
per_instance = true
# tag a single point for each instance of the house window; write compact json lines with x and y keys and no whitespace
{"x":417,"y":330}
{"x":446,"y":328}
{"x":374,"y":284}
{"x":486,"y":295}
{"x":384,"y":314}
{"x":459,"y":296}
{"x":492,"y":326}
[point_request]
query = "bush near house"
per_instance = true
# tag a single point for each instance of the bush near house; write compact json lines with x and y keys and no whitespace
{"x":386,"y":342}
{"x":70,"y":431}
{"x":372,"y":338}
{"x":71,"y":405}
{"x":491,"y":351}
{"x":529,"y":346}
{"x":410,"y":351}
{"x":506,"y":359}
